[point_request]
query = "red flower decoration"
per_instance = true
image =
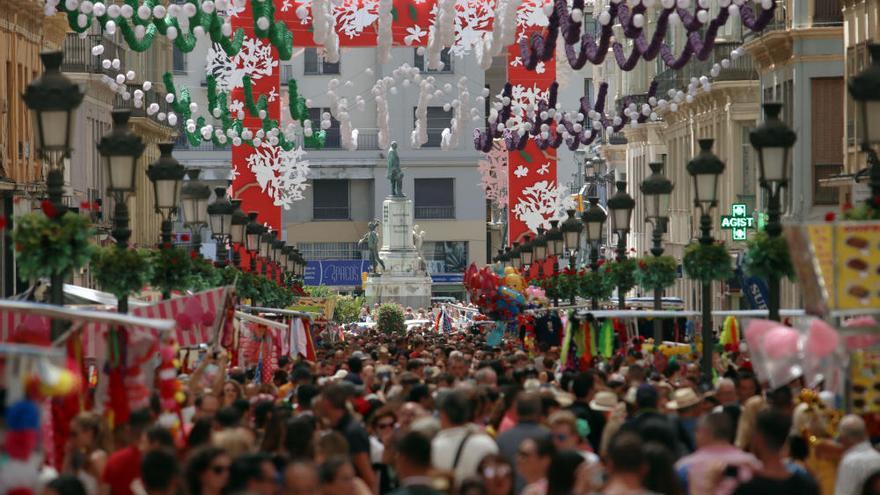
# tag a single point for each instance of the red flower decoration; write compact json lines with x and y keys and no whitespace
{"x":166,"y":245}
{"x":194,"y":254}
{"x":829,"y":217}
{"x":85,"y":205}
{"x":184,"y":237}
{"x":3,"y":222}
{"x":847,"y":206}
{"x":48,"y":208}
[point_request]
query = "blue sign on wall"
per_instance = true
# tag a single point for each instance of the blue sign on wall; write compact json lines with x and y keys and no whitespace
{"x":335,"y":272}
{"x":447,"y":278}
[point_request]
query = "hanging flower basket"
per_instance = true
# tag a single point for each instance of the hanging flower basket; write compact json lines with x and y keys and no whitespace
{"x":121,"y":272}
{"x":172,"y":269}
{"x":622,"y":273}
{"x":596,"y":285}
{"x":707,"y":262}
{"x":45,"y":246}
{"x":656,"y":272}
{"x":768,"y":256}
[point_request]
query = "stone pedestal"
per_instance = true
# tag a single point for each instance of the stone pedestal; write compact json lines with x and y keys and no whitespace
{"x":403,"y":281}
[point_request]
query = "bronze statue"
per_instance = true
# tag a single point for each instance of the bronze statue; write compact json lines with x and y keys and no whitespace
{"x":394,"y":174}
{"x":371,"y":239}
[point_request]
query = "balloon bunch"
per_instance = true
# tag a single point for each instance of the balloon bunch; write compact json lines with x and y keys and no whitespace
{"x":500,"y":297}
{"x":549,"y":125}
{"x":581,"y":48}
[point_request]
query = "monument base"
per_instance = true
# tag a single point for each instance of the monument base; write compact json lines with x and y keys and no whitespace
{"x":412,"y":291}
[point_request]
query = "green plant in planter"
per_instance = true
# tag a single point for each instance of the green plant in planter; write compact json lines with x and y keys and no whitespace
{"x":122,"y":272}
{"x":622,"y":273}
{"x":203,"y":275}
{"x":656,"y":272}
{"x":707,"y":262}
{"x":390,"y":319}
{"x":45,"y":246}
{"x":768,"y":256}
{"x":171,"y":269}
{"x":595,"y":284}
{"x":347,"y":309}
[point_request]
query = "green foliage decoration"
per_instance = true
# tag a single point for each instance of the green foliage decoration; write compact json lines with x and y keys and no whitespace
{"x":390,"y":319}
{"x":121,"y":272}
{"x":45,"y":246}
{"x":707,"y":262}
{"x":656,"y":272}
{"x":171,"y":269}
{"x":622,"y":273}
{"x":595,"y":284}
{"x":347,"y":309}
{"x":768,"y":256}
{"x":319,"y":291}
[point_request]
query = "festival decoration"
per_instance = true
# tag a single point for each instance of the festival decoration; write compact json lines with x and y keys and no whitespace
{"x":730,"y":335}
{"x":595,"y":285}
{"x":121,"y":272}
{"x":656,"y":272}
{"x":768,"y":256}
{"x":46,"y":245}
{"x":622,"y":273}
{"x":707,"y":262}
{"x":171,"y":269}
{"x":493,"y":175}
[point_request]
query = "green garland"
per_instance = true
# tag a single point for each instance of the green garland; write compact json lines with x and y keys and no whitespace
{"x":656,"y":272}
{"x":595,"y":285}
{"x":707,"y":262}
{"x":121,"y":272}
{"x":390,"y":319}
{"x":768,"y":256}
{"x":45,"y":246}
{"x":622,"y":273}
{"x":204,"y":275}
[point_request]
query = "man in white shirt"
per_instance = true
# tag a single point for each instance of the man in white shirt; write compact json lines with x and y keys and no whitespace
{"x":860,"y":459}
{"x":459,"y":446}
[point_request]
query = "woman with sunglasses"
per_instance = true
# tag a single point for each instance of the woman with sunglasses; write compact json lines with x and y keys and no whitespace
{"x":207,"y":471}
{"x":383,"y":425}
{"x":497,"y":475}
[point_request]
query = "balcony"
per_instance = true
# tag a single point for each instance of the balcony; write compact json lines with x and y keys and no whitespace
{"x":827,"y":13}
{"x":741,"y":69}
{"x":183,"y":144}
{"x":78,"y":56}
{"x":781,"y":21}
{"x":150,"y":97}
{"x":639,"y":99}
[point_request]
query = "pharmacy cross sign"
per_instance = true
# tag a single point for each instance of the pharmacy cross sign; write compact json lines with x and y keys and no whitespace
{"x":738,"y":221}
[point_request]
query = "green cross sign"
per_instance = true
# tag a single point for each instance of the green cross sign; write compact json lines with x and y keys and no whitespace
{"x":739,"y":221}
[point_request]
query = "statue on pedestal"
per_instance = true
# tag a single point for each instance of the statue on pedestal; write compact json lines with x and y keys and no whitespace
{"x":395,"y":174}
{"x":418,"y":239}
{"x":371,"y":239}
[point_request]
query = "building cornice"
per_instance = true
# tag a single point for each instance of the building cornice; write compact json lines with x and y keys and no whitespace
{"x":775,"y":48}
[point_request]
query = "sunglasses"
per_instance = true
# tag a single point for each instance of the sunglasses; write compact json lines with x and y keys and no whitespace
{"x":496,"y":471}
{"x":219,"y":469}
{"x":383,"y":426}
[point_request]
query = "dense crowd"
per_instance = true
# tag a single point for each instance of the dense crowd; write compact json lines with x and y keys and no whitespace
{"x":437,"y":412}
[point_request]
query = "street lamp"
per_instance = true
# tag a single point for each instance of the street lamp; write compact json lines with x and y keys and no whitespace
{"x":555,"y":248}
{"x":277,"y":247}
{"x":266,"y":249}
{"x":773,"y":141}
{"x":515,"y":260}
{"x":865,"y":90}
{"x":194,"y":195}
{"x":571,"y":236}
{"x":621,"y":206}
{"x":238,"y":229}
{"x":539,"y":248}
{"x":52,"y":100}
{"x":526,"y":253}
{"x":594,"y":219}
{"x":220,"y":218}
{"x":253,"y":238}
{"x":706,"y":168}
{"x":657,"y":190}
{"x":121,"y":148}
{"x":166,"y":174}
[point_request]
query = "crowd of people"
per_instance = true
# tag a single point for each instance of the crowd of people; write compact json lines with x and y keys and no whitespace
{"x":432,"y":413}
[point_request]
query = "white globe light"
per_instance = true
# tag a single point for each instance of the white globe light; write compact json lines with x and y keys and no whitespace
{"x":577,"y":15}
{"x":144,"y":12}
{"x":126,"y":11}
{"x":97,"y":50}
{"x":99,"y":9}
{"x":169,"y":97}
{"x":171,"y":33}
{"x":159,"y":12}
{"x":147,"y":85}
{"x":208,"y":7}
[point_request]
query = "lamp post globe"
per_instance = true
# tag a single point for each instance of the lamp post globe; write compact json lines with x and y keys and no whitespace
{"x":657,"y":190}
{"x":220,"y":219}
{"x":571,"y":235}
{"x":526,"y":253}
{"x":120,"y":151}
{"x":705,"y":169}
{"x":238,"y":231}
{"x":194,"y":196}
{"x":166,"y":174}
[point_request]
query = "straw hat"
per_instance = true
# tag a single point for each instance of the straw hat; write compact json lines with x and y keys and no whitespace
{"x":683,"y":398}
{"x":604,"y":400}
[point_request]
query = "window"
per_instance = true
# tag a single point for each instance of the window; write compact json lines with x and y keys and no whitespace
{"x":286,"y":74}
{"x":438,"y":119}
{"x":588,"y":90}
{"x":446,"y":256}
{"x":178,"y":60}
{"x":331,"y":135}
{"x":330,"y":250}
{"x":823,"y":195}
{"x":419,"y":61}
{"x":434,"y":198}
{"x":330,"y":199}
{"x":315,"y":65}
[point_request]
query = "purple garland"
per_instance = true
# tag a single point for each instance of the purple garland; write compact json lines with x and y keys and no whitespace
{"x":540,"y":47}
{"x":483,"y":138}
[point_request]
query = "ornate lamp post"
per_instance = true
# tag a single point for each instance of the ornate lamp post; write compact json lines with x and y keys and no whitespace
{"x":52,"y":100}
{"x":773,"y":141}
{"x":166,"y":174}
{"x":220,"y":218}
{"x":657,"y":190}
{"x":594,"y":219}
{"x":706,"y":168}
{"x":865,"y":89}
{"x":515,"y":258}
{"x":571,"y":237}
{"x":266,"y":250}
{"x":526,"y":253}
{"x":555,"y":248}
{"x":238,"y":231}
{"x":120,"y":150}
{"x":621,"y":206}
{"x":194,"y":196}
{"x":539,"y":248}
{"x":253,"y":237}
{"x":277,"y":247}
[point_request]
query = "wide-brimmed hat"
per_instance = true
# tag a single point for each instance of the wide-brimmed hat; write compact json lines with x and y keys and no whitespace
{"x":683,"y":398}
{"x":604,"y":400}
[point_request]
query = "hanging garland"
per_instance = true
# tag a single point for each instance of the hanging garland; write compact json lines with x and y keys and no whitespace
{"x":656,"y":272}
{"x":707,"y":262}
{"x":622,"y":273}
{"x":768,"y":256}
{"x":46,"y":245}
{"x":121,"y":272}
